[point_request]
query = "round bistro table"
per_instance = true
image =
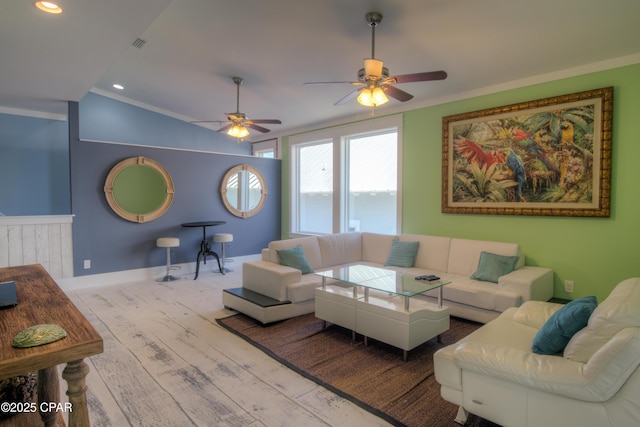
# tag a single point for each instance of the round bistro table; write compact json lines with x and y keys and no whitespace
{"x":205,"y":246}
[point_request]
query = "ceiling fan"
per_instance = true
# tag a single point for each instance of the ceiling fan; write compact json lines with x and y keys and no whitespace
{"x":375,"y":80}
{"x":237,"y":123}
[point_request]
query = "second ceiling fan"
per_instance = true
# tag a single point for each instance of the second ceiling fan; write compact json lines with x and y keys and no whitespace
{"x":237,"y":123}
{"x":374,"y":78}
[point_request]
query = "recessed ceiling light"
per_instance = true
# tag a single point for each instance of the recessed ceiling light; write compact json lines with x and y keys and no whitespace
{"x":48,"y":7}
{"x":117,"y":86}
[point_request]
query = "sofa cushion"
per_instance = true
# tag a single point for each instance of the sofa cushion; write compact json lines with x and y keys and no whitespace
{"x":617,"y":312}
{"x":304,"y":290}
{"x":309,"y":245}
{"x":342,"y":248}
{"x":492,"y":266}
{"x":465,"y":254}
{"x":433,"y":253}
{"x":402,"y":254}
{"x":475,"y":293}
{"x":294,"y":258}
{"x":376,"y":247}
{"x":535,"y":313}
{"x":562,"y":325}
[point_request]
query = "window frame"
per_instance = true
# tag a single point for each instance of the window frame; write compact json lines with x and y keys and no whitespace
{"x":337,"y":136}
{"x":260,"y":148}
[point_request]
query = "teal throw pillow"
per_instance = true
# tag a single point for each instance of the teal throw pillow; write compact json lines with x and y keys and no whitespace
{"x":492,"y":266}
{"x":403,"y":254}
{"x":294,"y":257}
{"x":555,"y":334}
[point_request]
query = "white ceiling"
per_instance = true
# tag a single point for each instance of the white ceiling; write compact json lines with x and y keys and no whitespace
{"x":194,"y":47}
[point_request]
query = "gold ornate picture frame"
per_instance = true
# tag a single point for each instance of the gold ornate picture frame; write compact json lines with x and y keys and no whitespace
{"x":549,"y":157}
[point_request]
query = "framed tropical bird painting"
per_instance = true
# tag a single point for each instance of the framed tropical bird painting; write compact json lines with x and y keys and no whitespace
{"x":547,"y":157}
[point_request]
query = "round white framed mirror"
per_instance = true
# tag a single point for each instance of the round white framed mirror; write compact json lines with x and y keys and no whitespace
{"x":139,"y":189}
{"x":243,"y":190}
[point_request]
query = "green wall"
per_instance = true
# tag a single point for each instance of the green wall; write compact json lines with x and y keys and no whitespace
{"x":596,"y":253}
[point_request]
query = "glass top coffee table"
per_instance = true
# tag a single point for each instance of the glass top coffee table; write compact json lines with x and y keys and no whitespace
{"x":382,"y":279}
{"x":387,"y":315}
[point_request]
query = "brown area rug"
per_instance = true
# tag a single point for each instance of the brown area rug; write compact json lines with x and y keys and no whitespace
{"x":374,"y":377}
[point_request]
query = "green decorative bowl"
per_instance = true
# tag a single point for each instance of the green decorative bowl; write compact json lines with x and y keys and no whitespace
{"x":38,"y":335}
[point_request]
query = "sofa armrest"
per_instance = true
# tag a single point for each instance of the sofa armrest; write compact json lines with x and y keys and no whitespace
{"x":598,"y":380}
{"x":269,"y":279}
{"x":549,"y":373}
{"x":533,"y":283}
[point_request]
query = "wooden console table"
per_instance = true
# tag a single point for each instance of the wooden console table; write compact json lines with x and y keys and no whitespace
{"x":41,"y":301}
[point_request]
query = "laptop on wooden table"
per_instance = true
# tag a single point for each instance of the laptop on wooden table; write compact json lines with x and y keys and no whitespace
{"x":8,"y":297}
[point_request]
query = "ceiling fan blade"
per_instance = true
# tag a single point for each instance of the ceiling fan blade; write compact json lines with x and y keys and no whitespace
{"x":272,"y":121}
{"x":225,"y":128}
{"x":258,"y":128}
{"x":332,"y":83}
{"x":396,"y":93}
{"x":349,"y":97}
{"x":420,"y":77}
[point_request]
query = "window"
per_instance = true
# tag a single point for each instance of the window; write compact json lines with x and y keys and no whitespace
{"x":315,"y":198}
{"x":269,"y":153}
{"x":371,"y":184}
{"x":347,"y":179}
{"x":268,"y":148}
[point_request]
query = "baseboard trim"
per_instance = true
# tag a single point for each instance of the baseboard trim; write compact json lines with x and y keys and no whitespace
{"x":186,"y":270}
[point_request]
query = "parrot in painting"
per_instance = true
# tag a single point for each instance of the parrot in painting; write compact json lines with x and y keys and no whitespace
{"x":525,"y":141}
{"x":517,"y":167}
{"x":566,"y":133}
{"x":475,"y":154}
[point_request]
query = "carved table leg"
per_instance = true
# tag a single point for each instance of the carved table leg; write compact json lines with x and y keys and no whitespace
{"x":74,"y":374}
{"x":48,"y":392}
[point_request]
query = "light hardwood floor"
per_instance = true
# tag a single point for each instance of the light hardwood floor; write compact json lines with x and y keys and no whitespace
{"x":166,"y":362}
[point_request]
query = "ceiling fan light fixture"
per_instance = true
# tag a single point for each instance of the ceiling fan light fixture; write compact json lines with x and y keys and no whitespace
{"x":372,"y":68}
{"x":49,"y":7}
{"x":238,"y":131}
{"x":372,"y":97}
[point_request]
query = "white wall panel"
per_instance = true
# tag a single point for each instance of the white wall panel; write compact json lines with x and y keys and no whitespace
{"x":45,"y":240}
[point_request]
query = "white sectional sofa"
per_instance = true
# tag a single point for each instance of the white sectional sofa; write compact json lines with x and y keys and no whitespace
{"x":594,"y":381}
{"x":272,"y":291}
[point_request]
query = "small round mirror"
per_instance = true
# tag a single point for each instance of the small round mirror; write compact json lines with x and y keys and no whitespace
{"x":243,"y":190}
{"x":139,"y":189}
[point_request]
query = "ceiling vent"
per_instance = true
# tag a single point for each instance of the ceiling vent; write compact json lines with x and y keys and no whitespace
{"x":138,"y":43}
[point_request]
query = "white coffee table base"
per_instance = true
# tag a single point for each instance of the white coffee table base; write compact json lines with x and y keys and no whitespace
{"x":382,"y":317}
{"x":385,"y":319}
{"x":335,"y":304}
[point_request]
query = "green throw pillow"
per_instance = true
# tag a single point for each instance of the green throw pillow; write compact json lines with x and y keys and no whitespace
{"x":403,"y":254}
{"x":294,"y":257}
{"x":555,"y":334}
{"x":492,"y":266}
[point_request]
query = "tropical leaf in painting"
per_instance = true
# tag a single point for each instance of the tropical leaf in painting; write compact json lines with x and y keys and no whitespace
{"x":483,"y":185}
{"x":581,"y":117}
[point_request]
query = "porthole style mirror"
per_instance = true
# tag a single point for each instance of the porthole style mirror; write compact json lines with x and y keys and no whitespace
{"x":139,"y":189}
{"x":243,"y":190}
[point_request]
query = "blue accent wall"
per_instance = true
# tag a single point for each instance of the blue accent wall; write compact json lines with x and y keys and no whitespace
{"x":105,"y":119}
{"x":115,"y":244}
{"x":52,"y":167}
{"x":34,"y":166}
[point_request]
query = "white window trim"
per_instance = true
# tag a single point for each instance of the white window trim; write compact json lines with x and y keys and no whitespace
{"x":267,"y":145}
{"x":336,"y":134}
